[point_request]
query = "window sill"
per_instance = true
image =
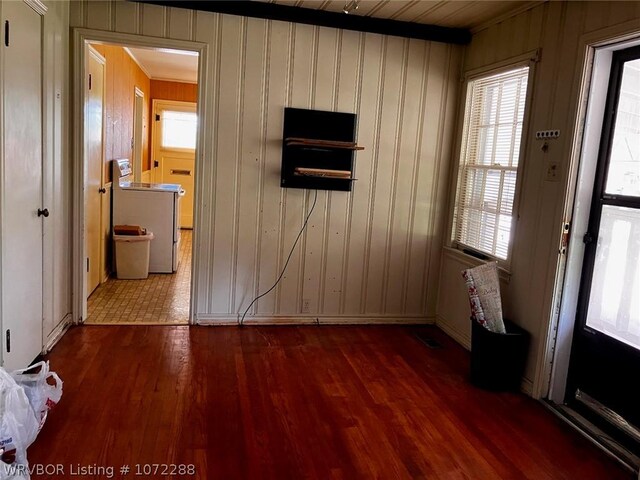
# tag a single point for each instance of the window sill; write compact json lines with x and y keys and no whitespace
{"x":470,"y":261}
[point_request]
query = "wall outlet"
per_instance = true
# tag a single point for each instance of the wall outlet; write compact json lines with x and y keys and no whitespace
{"x":306,"y":305}
{"x":553,"y":172}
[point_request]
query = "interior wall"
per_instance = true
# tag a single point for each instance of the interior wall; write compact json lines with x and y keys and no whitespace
{"x":555,"y":28}
{"x":56,"y":168}
{"x":369,"y":255}
{"x":122,"y":76}
{"x":167,"y":90}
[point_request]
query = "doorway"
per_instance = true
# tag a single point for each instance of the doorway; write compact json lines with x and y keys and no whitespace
{"x":135,"y":75}
{"x":605,"y":356}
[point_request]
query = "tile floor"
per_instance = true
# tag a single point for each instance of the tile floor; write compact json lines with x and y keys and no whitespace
{"x":161,"y":299}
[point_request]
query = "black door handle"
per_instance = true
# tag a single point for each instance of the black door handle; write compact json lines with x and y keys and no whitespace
{"x":43,"y":212}
{"x":102,"y":190}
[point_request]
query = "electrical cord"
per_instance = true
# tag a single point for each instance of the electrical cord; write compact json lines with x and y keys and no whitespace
{"x":304,"y":225}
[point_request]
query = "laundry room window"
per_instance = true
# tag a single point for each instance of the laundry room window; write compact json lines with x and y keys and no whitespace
{"x":179,"y":129}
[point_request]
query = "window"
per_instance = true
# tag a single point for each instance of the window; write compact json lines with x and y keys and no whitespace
{"x":179,"y":129}
{"x":489,"y":159}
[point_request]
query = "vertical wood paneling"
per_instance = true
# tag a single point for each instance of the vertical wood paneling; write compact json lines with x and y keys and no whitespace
{"x":346,"y":100}
{"x":372,"y":71}
{"x":406,"y":163}
{"x":276,"y":78}
{"x":364,"y":251}
{"x":381,"y":199}
{"x":98,"y":16}
{"x":127,"y":17}
{"x":295,"y":200}
{"x":227,"y":123}
{"x":251,"y":160}
{"x":179,"y":23}
{"x":154,"y":20}
{"x":325,"y":66}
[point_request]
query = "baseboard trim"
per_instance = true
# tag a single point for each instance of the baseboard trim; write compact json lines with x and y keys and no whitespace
{"x":205,"y":319}
{"x":460,"y":337}
{"x":57,"y":333}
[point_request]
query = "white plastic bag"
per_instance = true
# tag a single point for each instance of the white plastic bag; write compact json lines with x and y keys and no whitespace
{"x":42,"y":394}
{"x":19,"y":425}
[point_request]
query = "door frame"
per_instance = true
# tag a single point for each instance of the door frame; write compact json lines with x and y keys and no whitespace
{"x":138,"y":132}
{"x":553,"y":363}
{"x":81,"y":37}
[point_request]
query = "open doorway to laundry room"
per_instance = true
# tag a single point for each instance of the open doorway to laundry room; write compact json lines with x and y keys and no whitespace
{"x":140,"y":136}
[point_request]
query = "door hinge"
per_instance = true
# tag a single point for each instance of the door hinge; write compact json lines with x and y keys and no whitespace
{"x":156,"y":164}
{"x":588,"y":238}
{"x":157,"y":117}
{"x":6,"y":33}
{"x":564,"y":243}
{"x":87,"y":264}
{"x":8,"y":342}
{"x":89,"y":81}
{"x":132,"y":143}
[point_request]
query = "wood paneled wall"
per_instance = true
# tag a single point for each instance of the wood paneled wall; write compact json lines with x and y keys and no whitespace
{"x":122,"y":76}
{"x":369,"y":255}
{"x":555,"y":28}
{"x":179,"y":91}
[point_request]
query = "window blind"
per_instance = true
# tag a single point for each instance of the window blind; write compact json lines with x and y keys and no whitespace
{"x":489,"y":160}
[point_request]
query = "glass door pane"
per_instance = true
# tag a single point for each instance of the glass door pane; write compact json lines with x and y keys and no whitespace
{"x":614,"y":303}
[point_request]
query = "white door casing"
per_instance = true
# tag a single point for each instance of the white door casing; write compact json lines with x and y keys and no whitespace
{"x":22,"y":210}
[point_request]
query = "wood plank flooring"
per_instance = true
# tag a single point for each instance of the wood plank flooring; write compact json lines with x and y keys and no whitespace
{"x":297,"y":402}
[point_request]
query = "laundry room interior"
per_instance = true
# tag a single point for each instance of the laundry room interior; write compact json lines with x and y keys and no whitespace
{"x":140,"y":134}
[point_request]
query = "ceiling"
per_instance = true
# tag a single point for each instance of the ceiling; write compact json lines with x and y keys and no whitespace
{"x":446,"y":13}
{"x":164,"y":64}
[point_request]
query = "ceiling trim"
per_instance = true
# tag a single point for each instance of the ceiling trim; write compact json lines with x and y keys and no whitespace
{"x":309,"y":16}
{"x":133,"y":57}
{"x":505,"y":16}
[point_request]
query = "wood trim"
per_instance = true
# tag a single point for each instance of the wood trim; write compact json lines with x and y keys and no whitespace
{"x":133,"y":57}
{"x":214,"y":320}
{"x":310,"y":16}
{"x":39,"y":7}
{"x":81,"y":36}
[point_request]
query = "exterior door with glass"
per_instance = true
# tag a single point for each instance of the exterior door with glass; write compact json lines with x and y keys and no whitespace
{"x":174,"y":146}
{"x":605,"y":358}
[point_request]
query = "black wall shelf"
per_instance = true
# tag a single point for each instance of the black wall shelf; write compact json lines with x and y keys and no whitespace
{"x":317,"y":149}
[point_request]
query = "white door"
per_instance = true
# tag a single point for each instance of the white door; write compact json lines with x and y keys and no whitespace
{"x":174,"y":145}
{"x":93,"y":193}
{"x":22,"y":212}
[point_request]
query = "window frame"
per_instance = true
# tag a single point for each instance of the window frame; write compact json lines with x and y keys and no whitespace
{"x":530,"y":60}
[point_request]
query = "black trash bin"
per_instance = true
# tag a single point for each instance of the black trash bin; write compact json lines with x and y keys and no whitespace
{"x":498,"y":359}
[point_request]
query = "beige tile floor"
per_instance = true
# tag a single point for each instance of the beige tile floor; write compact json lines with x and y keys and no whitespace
{"x":161,"y":299}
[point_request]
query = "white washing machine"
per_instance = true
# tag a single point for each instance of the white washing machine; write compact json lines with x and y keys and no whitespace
{"x":155,"y":206}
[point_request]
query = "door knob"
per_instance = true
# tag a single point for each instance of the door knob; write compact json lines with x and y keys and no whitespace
{"x":43,"y":212}
{"x":102,"y":190}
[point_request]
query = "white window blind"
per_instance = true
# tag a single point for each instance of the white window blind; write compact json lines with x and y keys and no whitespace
{"x":489,"y":157}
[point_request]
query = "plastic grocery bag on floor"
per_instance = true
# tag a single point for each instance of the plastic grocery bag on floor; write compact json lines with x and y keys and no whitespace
{"x":19,"y":426}
{"x":42,"y":387}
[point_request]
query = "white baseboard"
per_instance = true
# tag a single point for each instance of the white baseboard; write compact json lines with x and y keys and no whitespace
{"x":57,"y":333}
{"x":460,"y":337}
{"x":205,"y":319}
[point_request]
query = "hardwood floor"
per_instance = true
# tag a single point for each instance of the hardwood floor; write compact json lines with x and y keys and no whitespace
{"x":297,"y":402}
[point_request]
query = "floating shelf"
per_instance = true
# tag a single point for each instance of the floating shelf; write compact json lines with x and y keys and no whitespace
{"x":317,"y":149}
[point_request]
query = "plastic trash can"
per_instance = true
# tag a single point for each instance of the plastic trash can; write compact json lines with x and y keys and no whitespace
{"x":132,"y":256}
{"x":498,"y":359}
